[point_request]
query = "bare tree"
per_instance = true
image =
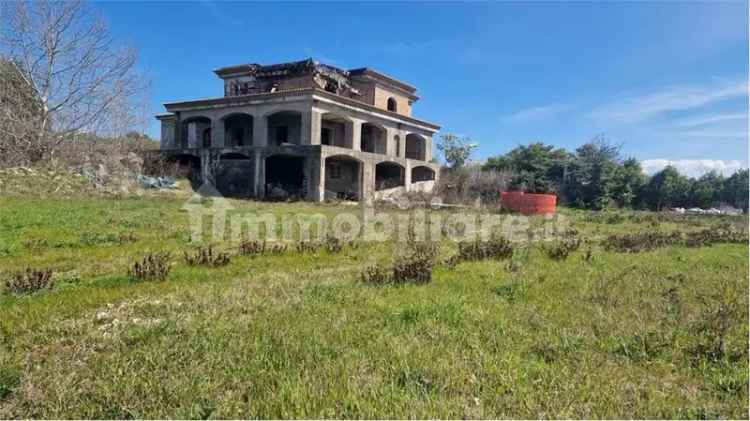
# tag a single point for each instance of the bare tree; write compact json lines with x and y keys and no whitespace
{"x":20,"y":114}
{"x":83,"y":81}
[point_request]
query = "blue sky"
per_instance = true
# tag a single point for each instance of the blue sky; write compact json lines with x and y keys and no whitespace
{"x":668,"y":80}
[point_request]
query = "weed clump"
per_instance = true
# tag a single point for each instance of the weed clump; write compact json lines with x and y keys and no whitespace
{"x":260,"y":247}
{"x":205,"y":256}
{"x":709,"y":237}
{"x":333,"y":245}
{"x":308,"y":247}
{"x":644,"y":241}
{"x":633,"y":243}
{"x":29,"y":281}
{"x":495,"y":248}
{"x":153,"y":267}
{"x":561,"y":249}
{"x":415,"y":267}
{"x":376,"y":275}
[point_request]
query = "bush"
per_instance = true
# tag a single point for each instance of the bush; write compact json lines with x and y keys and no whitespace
{"x":258,"y":248}
{"x":560,"y":249}
{"x":468,"y":184}
{"x":155,"y":266}
{"x":29,"y":281}
{"x":205,"y":257}
{"x":333,"y":245}
{"x":308,"y":247}
{"x":645,"y":241}
{"x":634,"y":243}
{"x":713,"y":236}
{"x":495,"y":248}
{"x":417,"y":265}
{"x":376,"y":275}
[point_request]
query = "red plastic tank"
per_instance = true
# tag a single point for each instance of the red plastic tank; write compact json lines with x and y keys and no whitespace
{"x":529,"y":203}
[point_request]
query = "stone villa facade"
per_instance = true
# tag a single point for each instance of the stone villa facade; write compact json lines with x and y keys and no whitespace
{"x":304,"y":129}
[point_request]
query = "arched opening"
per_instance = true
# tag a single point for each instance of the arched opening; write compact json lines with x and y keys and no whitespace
{"x":392,"y":104}
{"x":206,"y":138}
{"x":238,"y":130}
{"x":397,"y":145}
{"x":388,"y":175}
{"x":373,"y":139}
{"x":234,"y":175}
{"x":285,"y":177}
{"x":415,"y":147}
{"x":342,"y":180}
{"x":196,"y":132}
{"x":422,"y":173}
{"x":284,"y":127}
{"x":187,"y":166}
{"x":335,"y":131}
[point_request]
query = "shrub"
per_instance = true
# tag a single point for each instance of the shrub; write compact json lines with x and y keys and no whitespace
{"x":333,"y":245}
{"x":417,"y":265}
{"x":155,"y":266}
{"x":561,"y":249}
{"x":376,"y":275}
{"x":651,"y":240}
{"x":308,"y":247}
{"x":713,"y":236}
{"x":495,"y":248}
{"x":29,"y":281}
{"x":468,"y":184}
{"x":258,"y":248}
{"x":720,"y":312}
{"x":205,"y":256}
{"x":645,"y":241}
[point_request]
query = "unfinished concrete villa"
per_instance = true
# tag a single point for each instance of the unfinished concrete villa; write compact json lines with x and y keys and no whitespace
{"x":306,"y":130}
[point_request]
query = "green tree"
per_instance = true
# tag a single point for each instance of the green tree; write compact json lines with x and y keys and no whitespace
{"x":538,"y":167}
{"x":667,"y":188}
{"x":629,"y":183}
{"x":706,"y":191}
{"x":591,"y":176}
{"x":735,"y":190}
{"x":456,"y":149}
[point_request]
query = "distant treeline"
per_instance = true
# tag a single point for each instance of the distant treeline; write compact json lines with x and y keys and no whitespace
{"x":596,"y":176}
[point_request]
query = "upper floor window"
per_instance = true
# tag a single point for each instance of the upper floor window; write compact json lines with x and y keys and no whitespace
{"x":392,"y":106}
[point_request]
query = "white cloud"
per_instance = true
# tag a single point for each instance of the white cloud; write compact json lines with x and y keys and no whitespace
{"x":714,"y":134}
{"x":638,"y":108}
{"x":693,"y":167}
{"x":536,"y":113}
{"x":702,"y":120}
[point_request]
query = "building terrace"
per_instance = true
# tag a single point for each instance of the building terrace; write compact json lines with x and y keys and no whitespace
{"x":304,"y":129}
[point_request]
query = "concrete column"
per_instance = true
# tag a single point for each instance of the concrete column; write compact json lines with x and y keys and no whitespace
{"x":349,"y":135}
{"x":306,"y":134}
{"x":217,"y":133}
{"x":178,"y":131}
{"x":259,"y":168}
{"x":428,"y":148}
{"x":368,"y":180}
{"x":357,"y":135}
{"x":402,"y":147}
{"x":407,"y":176}
{"x":207,"y":173}
{"x":316,"y":120}
{"x":315,"y":169}
{"x":260,"y":131}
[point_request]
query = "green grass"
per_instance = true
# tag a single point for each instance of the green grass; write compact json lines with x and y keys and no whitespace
{"x":298,"y":336}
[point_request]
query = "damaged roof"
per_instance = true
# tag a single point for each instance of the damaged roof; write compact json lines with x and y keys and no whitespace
{"x":307,"y":66}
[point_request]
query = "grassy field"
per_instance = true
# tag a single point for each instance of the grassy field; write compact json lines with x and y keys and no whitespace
{"x":602,"y":334}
